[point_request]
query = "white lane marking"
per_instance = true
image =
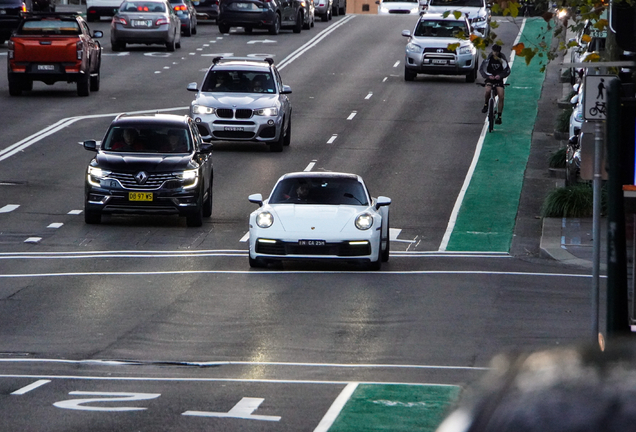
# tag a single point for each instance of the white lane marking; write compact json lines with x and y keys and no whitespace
{"x":218,"y":55}
{"x":396,"y":64}
{"x":352,"y":115}
{"x":157,"y":72}
{"x":33,"y":240}
{"x":332,"y":139}
{"x":310,"y":166}
{"x":194,"y":54}
{"x":9,"y":208}
{"x":242,"y":410}
{"x":30,"y":387}
{"x":313,"y":42}
{"x":245,"y":237}
{"x":263,"y":41}
{"x":166,"y":67}
{"x":55,"y":225}
{"x":336,"y":407}
{"x":76,"y":404}
{"x":469,"y":175}
{"x":261,"y":55}
{"x":157,"y":54}
{"x":61,"y":124}
{"x":116,"y":55}
{"x":385,"y":78}
{"x":369,"y":95}
{"x":75,"y":212}
{"x":207,"y":45}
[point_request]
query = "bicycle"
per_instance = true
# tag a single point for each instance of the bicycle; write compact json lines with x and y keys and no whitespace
{"x":492,"y":103}
{"x":599,"y":107}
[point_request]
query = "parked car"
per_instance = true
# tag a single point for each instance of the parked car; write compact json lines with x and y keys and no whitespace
{"x":270,"y":15}
{"x":398,"y":7}
{"x":150,"y":164}
{"x":244,"y":100}
{"x":11,"y":14}
{"x":319,"y":216}
{"x":52,"y":47}
{"x":207,"y":9}
{"x":324,"y":9}
{"x":187,"y":15}
{"x":145,"y":22}
{"x":427,"y":49}
{"x":576,"y":118}
{"x":589,"y":41}
{"x":478,"y":12}
{"x":309,"y":15}
{"x":96,"y":9}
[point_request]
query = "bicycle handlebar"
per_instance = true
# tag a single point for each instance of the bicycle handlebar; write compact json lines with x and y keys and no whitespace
{"x":496,"y":85}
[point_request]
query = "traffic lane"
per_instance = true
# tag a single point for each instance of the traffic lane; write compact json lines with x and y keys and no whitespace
{"x":425,"y":318}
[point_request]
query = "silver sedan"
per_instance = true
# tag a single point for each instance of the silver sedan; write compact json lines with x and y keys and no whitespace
{"x":145,"y":22}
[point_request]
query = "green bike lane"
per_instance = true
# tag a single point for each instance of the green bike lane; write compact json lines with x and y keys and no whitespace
{"x":484,"y":222}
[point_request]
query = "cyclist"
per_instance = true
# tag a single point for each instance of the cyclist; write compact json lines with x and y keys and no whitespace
{"x":494,"y":69}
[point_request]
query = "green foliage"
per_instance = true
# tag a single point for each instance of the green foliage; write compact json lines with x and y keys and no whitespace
{"x":557,"y":158}
{"x":570,"y":201}
{"x":562,"y":123}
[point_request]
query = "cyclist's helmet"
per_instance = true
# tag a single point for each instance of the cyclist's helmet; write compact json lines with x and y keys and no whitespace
{"x":496,"y":48}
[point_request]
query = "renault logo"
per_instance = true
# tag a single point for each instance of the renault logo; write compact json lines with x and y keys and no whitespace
{"x":141,"y":177}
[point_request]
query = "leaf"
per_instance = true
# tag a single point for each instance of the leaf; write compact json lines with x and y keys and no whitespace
{"x":518,"y":48}
{"x":452,"y":47}
{"x":586,"y":38}
{"x":592,"y":57}
{"x":457,"y":14}
{"x":547,"y":16}
{"x":601,"y":24}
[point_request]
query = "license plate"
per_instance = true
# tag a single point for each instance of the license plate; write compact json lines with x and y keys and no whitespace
{"x":142,"y":23}
{"x":442,"y":62}
{"x":311,"y":243}
{"x":243,"y":5}
{"x":139,"y":196}
{"x":234,"y":128}
{"x":46,"y":67}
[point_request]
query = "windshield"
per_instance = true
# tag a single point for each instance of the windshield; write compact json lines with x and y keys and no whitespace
{"x":319,"y":190}
{"x":441,"y":28}
{"x":457,"y":3}
{"x":147,"y":139}
{"x":142,"y":7}
{"x":57,"y":27}
{"x":400,"y":1}
{"x":239,"y":82}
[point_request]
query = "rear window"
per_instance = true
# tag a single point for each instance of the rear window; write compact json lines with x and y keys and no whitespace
{"x":59,"y":27}
{"x":142,"y":7}
{"x":440,"y":28}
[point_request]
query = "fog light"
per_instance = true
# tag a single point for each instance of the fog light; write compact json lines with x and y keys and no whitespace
{"x":197,"y":120}
{"x":270,"y":122}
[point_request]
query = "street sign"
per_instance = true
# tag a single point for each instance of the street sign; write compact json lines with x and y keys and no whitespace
{"x":595,"y":96}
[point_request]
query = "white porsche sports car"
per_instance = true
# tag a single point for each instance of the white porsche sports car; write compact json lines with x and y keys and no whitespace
{"x":319,"y":215}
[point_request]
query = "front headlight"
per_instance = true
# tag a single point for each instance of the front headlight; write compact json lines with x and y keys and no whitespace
{"x":96,"y":175}
{"x":266,"y":111}
{"x":415,"y":9}
{"x":202,"y":109}
{"x":413,"y":48}
{"x":190,"y":178}
{"x":464,"y":50}
{"x":264,"y":219}
{"x":479,"y":19}
{"x":364,"y":221}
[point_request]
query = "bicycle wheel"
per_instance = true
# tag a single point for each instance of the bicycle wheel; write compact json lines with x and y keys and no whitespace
{"x":491,"y":114}
{"x":593,"y":111}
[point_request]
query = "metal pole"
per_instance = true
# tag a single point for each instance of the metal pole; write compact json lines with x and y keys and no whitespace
{"x":596,"y":231}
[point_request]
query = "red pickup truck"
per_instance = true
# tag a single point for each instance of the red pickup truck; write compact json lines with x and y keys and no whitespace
{"x":52,"y":47}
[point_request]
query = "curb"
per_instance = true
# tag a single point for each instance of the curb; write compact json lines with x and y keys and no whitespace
{"x":550,"y":246}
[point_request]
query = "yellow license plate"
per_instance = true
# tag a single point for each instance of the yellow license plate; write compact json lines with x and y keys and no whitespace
{"x":140,"y":196}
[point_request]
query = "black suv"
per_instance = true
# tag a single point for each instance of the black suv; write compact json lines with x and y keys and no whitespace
{"x":270,"y":15}
{"x":150,"y":164}
{"x":11,"y":12}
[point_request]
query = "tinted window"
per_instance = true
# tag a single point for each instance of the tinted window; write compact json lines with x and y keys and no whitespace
{"x":10,"y":2}
{"x":239,"y":82}
{"x":50,"y":27}
{"x":142,"y":7}
{"x":457,"y":3}
{"x":148,"y":139}
{"x":441,"y":28}
{"x":319,"y":190}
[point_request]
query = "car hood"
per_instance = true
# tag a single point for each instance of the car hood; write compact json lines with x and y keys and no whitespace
{"x":315,"y":218}
{"x":251,"y":100}
{"x":400,"y":5}
{"x":437,"y":42}
{"x":133,"y":162}
{"x":473,"y":12}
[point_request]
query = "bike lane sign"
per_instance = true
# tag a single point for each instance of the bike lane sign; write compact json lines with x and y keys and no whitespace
{"x":595,"y":97}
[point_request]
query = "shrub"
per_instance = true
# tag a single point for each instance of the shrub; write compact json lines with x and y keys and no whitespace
{"x":570,"y":201}
{"x":557,"y":158}
{"x":562,"y":123}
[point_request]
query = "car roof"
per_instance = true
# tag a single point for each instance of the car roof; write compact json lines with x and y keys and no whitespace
{"x":171,"y":120}
{"x":33,"y":16}
{"x":241,"y":63}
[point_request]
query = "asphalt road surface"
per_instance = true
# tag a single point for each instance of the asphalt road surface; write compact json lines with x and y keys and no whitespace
{"x":142,"y":323}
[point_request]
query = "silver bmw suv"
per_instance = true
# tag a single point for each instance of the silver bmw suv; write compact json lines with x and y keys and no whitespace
{"x":243,"y":99}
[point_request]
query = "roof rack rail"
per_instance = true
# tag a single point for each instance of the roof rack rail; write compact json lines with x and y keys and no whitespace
{"x":269,"y":60}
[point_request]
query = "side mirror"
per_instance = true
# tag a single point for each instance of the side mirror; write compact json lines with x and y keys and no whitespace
{"x":205,"y":148}
{"x":575,"y":99}
{"x":192,"y":87}
{"x":382,"y":201}
{"x":90,"y":145}
{"x":256,"y":199}
{"x":98,"y":34}
{"x":286,"y":90}
{"x":406,"y":33}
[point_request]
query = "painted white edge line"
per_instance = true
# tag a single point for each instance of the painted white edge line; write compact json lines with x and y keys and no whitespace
{"x":336,"y":407}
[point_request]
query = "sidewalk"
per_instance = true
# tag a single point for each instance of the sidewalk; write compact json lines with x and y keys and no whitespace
{"x":570,"y":241}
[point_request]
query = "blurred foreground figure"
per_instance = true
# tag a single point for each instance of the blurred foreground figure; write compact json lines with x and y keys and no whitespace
{"x":557,"y":390}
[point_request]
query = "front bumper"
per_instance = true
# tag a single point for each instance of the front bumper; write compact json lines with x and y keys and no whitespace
{"x":440,"y":63}
{"x":255,"y":128}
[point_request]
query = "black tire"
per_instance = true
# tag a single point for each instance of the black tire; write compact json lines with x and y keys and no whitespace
{"x":472,"y":76}
{"x":274,"y":29}
{"x":194,"y":29}
{"x":375,"y":265}
{"x":95,"y":79}
{"x":491,"y":115}
{"x":287,"y":139}
{"x":248,"y":29}
{"x":171,"y":46}
{"x":178,"y":44}
{"x":277,"y":146}
{"x":195,"y":219}
{"x":188,"y":32}
{"x":409,"y":75}
{"x":84,"y":86}
{"x":92,"y":217}
{"x":224,"y":28}
{"x":27,"y":85}
{"x":299,"y":23}
{"x":343,"y":10}
{"x":324,"y":17}
{"x":15,"y":88}
{"x":307,"y":25}
{"x":385,"y":252}
{"x":335,"y":11}
{"x":90,"y":18}
{"x":207,"y":204}
{"x":117,"y":46}
{"x":257,"y":262}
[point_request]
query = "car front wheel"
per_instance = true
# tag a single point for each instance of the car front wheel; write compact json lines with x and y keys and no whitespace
{"x":409,"y":75}
{"x":257,"y":262}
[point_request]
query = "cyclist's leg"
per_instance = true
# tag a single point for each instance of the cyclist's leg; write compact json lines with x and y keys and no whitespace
{"x":486,"y":98}
{"x":500,"y":103}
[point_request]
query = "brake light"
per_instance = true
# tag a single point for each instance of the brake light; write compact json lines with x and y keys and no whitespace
{"x":180,"y":8}
{"x":119,"y":20}
{"x":23,"y":8}
{"x":11,"y":46}
{"x":80,"y":50}
{"x":161,"y":21}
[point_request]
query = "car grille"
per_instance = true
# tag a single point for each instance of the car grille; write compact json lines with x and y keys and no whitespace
{"x":233,"y":134}
{"x":399,"y":11}
{"x":154,"y":181}
{"x":241,"y":113}
{"x":438,"y":50}
{"x":343,"y":249}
